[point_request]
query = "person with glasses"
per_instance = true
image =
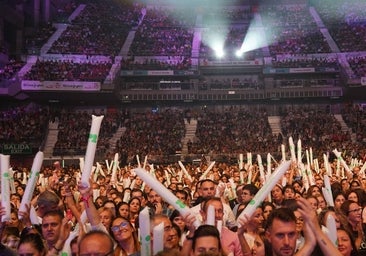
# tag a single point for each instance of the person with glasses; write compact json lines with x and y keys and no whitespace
{"x":96,"y":243}
{"x":168,"y":236}
{"x":353,"y":212}
{"x":126,"y":237}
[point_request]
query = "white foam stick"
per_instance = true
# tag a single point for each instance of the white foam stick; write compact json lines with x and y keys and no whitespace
{"x":241,"y":177}
{"x":219,"y":226}
{"x":132,"y":186}
{"x":185,"y":171}
{"x":265,"y":190}
{"x":29,"y":189}
{"x":100,"y":169}
{"x":292,"y":149}
{"x":345,"y":166}
{"x":94,"y":172}
{"x":310,"y":175}
{"x":260,"y":166}
{"x":332,"y":229}
{"x":299,"y":150}
{"x":165,"y":193}
{"x":126,"y":196}
{"x":11,"y":181}
{"x":126,"y":182}
{"x":269,"y":167}
{"x":5,"y":187}
{"x":109,"y":166}
{"x":207,"y":170}
{"x":316,"y":165}
{"x":90,"y":149}
{"x":241,"y":161}
{"x":24,"y":181}
{"x":167,"y":177}
{"x":338,"y":168}
{"x":81,"y":163}
{"x":145,"y":162}
{"x":326,"y":165}
{"x":145,"y":234}
{"x":363,"y":168}
{"x":328,"y":191}
{"x":138,"y":161}
{"x":283,"y":152}
{"x":114,"y":170}
{"x":158,"y":241}
{"x":152,"y":170}
{"x":210,"y":220}
{"x":249,"y":159}
{"x":311,"y":155}
{"x":250,"y":175}
{"x":307,"y":158}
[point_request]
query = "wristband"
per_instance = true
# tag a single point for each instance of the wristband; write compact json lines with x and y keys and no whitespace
{"x":85,"y":199}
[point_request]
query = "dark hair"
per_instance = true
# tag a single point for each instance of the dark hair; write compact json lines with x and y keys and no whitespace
{"x":185,"y":193}
{"x":119,"y":206}
{"x":35,"y":240}
{"x":354,"y":251}
{"x":54,"y":213}
{"x":206,"y":230}
{"x":251,"y":188}
{"x":283,"y":214}
{"x":345,"y":206}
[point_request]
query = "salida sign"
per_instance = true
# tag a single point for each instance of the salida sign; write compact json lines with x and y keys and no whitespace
{"x":15,"y":149}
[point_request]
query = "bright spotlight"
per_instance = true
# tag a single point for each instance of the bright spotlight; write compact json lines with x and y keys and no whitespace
{"x":239,"y":53}
{"x":219,"y":53}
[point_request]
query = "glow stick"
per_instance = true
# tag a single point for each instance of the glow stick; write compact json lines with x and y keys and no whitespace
{"x":299,"y":158}
{"x":219,"y":226}
{"x":5,"y":187}
{"x":24,"y":181}
{"x":90,"y":149}
{"x":126,"y":196}
{"x":145,"y":161}
{"x":109,"y":166}
{"x":326,"y":165}
{"x":363,"y":168}
{"x":283,"y":152}
{"x":114,"y":170}
{"x":185,"y":171}
{"x":138,"y":161}
{"x":250,"y":175}
{"x":158,"y":241}
{"x":166,"y":194}
{"x":311,"y":155}
{"x":261,"y":169}
{"x":207,"y":170}
{"x":241,"y":161}
{"x":338,"y":155}
{"x":249,"y":159}
{"x":167,"y":177}
{"x":241,"y":177}
{"x":308,"y":158}
{"x":81,"y":163}
{"x":292,"y":149}
{"x":33,"y":177}
{"x":327,"y":191}
{"x":132,"y":185}
{"x":332,"y":229}
{"x":265,"y":190}
{"x":11,"y":181}
{"x":210,"y":220}
{"x":310,"y":175}
{"x":316,"y":165}
{"x":145,"y":238}
{"x":269,"y":167}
